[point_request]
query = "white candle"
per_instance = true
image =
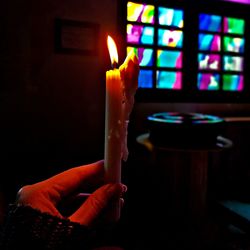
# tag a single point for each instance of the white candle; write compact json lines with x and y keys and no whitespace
{"x":121,"y":85}
{"x":113,"y":119}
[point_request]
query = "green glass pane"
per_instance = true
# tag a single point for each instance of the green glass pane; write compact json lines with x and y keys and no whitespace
{"x":233,"y":44}
{"x":234,"y":25}
{"x":233,"y":82}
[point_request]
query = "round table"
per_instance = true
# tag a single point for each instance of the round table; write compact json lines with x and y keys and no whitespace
{"x":180,"y":176}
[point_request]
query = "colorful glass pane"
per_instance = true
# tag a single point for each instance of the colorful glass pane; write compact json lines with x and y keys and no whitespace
{"x":208,"y":81}
{"x":209,"y":42}
{"x":139,"y":34}
{"x":145,"y":79}
{"x":234,"y":63}
{"x":234,"y":25}
{"x":209,"y":61}
{"x":233,"y":44}
{"x":170,"y":17}
{"x":145,"y":55}
{"x":170,"y":38}
{"x":168,"y":80}
{"x":168,"y":58}
{"x":142,"y":13}
{"x":210,"y":22}
{"x":233,"y":82}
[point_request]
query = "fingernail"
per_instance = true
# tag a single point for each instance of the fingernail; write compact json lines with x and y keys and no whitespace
{"x":124,"y":188}
{"x":122,"y":202}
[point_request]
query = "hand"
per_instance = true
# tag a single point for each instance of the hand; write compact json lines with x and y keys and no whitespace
{"x":46,"y":195}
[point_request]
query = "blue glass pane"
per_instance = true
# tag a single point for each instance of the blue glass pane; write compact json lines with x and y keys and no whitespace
{"x":209,"y":42}
{"x":168,"y":58}
{"x":170,"y":38}
{"x":169,"y":80}
{"x":208,"y":81}
{"x":170,"y":17}
{"x":233,"y":82}
{"x":145,"y":79}
{"x":210,"y":22}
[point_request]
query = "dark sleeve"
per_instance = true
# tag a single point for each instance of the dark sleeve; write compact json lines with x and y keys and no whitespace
{"x":27,"y":228}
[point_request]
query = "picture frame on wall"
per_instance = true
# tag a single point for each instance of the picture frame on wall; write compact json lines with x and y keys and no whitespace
{"x":76,"y":37}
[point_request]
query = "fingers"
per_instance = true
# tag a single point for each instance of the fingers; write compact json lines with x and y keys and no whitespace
{"x":37,"y":198}
{"x":74,"y":178}
{"x":97,"y":203}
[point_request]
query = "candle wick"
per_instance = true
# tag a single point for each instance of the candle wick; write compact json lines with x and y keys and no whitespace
{"x":114,"y":65}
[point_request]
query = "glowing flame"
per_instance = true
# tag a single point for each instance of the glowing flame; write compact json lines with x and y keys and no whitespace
{"x":112,"y":50}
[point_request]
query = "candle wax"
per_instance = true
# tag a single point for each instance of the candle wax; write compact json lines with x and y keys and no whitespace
{"x":121,"y":85}
{"x":113,"y":126}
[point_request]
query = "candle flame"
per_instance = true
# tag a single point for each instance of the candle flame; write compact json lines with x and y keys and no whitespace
{"x":112,"y":50}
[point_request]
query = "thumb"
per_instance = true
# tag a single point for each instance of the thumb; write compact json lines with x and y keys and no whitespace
{"x":97,"y":202}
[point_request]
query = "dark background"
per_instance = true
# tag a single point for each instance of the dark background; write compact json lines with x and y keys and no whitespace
{"x":52,"y":102}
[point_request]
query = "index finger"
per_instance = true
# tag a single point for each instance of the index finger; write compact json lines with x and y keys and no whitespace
{"x":74,"y":178}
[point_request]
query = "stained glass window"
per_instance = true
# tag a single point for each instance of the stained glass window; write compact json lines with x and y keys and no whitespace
{"x":159,"y":47}
{"x":189,"y":51}
{"x":220,"y":59}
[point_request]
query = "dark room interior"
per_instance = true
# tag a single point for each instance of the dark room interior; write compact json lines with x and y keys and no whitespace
{"x":188,"y":183}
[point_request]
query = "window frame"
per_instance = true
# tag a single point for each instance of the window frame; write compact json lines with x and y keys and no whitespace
{"x":190,"y":92}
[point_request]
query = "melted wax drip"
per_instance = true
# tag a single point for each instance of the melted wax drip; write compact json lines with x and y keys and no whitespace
{"x":129,"y":71}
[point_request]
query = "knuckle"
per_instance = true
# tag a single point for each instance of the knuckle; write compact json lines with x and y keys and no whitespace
{"x":25,"y":193}
{"x":23,"y":190}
